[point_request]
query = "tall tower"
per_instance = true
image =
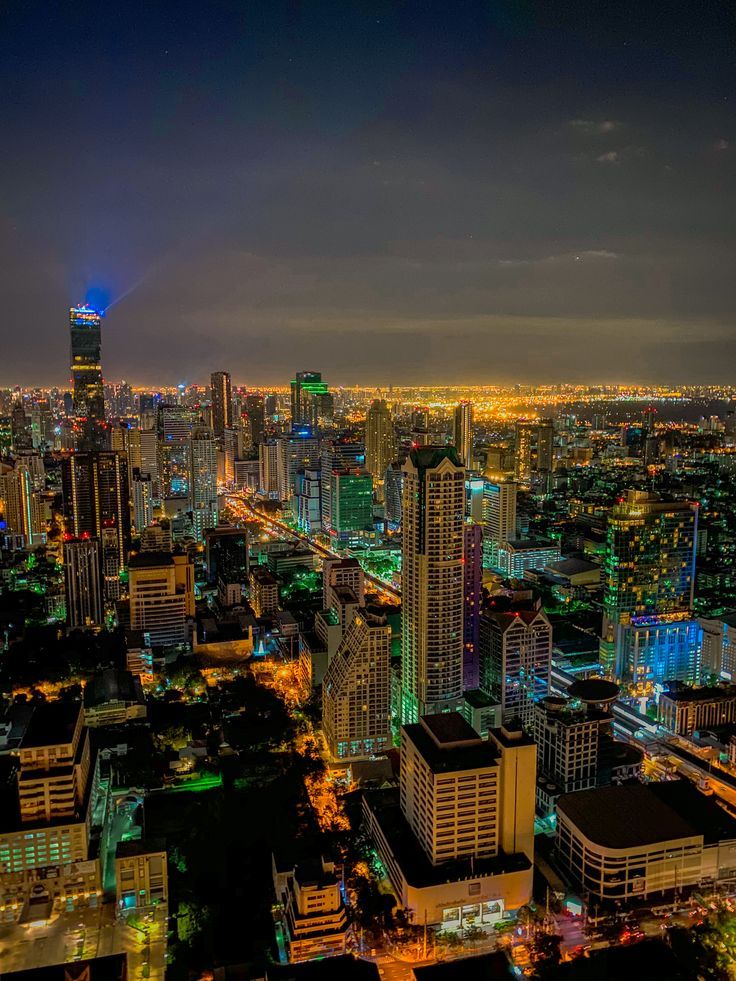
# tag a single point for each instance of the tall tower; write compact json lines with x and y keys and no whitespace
{"x":222,"y":402}
{"x":433,"y":507}
{"x":649,"y":571}
{"x":83,"y":583}
{"x":307,"y":392}
{"x":380,"y":442}
{"x":86,"y":369}
{"x":463,"y":433}
{"x":95,"y":492}
{"x":499,"y":518}
{"x":203,"y":480}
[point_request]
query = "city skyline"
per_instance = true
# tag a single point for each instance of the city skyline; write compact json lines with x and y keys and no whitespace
{"x":498,"y":192}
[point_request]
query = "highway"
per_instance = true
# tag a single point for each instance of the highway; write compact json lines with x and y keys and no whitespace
{"x":244,"y":508}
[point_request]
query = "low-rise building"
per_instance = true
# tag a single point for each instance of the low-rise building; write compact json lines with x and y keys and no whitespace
{"x":113,"y":697}
{"x":141,"y":877}
{"x":314,"y":914}
{"x":264,"y":592}
{"x":688,"y":710}
{"x":623,"y":843}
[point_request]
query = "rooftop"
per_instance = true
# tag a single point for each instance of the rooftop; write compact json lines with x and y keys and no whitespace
{"x":484,"y":967}
{"x":345,"y":967}
{"x":150,"y":560}
{"x":449,"y":746}
{"x":705,"y":694}
{"x":429,"y":457}
{"x":112,"y":685}
{"x":635,"y":815}
{"x":52,"y":724}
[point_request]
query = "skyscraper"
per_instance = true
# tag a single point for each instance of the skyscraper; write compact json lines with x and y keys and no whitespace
{"x":307,"y":390}
{"x":83,"y":583}
{"x":515,"y":653}
{"x":499,"y":518}
{"x":356,"y":692}
{"x":534,"y":453}
{"x":95,"y":491}
{"x":338,"y":456}
{"x":463,"y":433}
{"x":222,"y":402}
{"x":86,"y":369}
{"x":203,"y":480}
{"x":380,"y":442}
{"x":255,"y":410}
{"x":649,"y":571}
{"x":472,"y":579}
{"x":20,"y":504}
{"x":433,"y":508}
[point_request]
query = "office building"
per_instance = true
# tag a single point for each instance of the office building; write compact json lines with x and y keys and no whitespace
{"x":226,"y":555}
{"x":110,"y":565}
{"x":307,"y":501}
{"x":86,"y":371}
{"x":350,"y":507}
{"x":534,"y":453}
{"x":380,"y":442}
{"x":654,"y":649}
{"x":21,"y":429}
{"x":142,"y":501}
{"x":222,"y":402}
{"x":95,"y":491}
{"x":515,"y":652}
{"x":458,"y":839}
{"x":174,"y":428}
{"x":256,"y":415}
{"x":576,"y":749}
{"x":499,"y":518}
{"x":356,"y":692}
{"x":472,"y":589}
{"x":649,"y":568}
{"x":308,"y":393}
{"x":45,"y":847}
{"x":141,"y":874}
{"x":298,"y":451}
{"x":112,"y":698}
{"x":203,"y":480}
{"x":522,"y":555}
{"x":337,"y":456}
{"x":162,"y":597}
{"x":393,"y":483}
{"x":20,"y":504}
{"x":686,"y":711}
{"x":268,"y":471}
{"x":420,"y":426}
{"x":462,"y":433}
{"x":338,"y":573}
{"x":718,"y":655}
{"x":433,"y":507}
{"x":629,"y":843}
{"x":83,"y":583}
{"x":264,"y":592}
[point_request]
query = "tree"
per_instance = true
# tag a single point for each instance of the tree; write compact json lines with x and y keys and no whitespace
{"x":545,"y":954}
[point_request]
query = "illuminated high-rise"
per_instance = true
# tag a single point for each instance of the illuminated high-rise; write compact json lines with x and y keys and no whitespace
{"x":95,"y":492}
{"x":308,"y":392}
{"x":83,"y":583}
{"x":499,"y":518}
{"x":463,"y":433}
{"x":433,"y":515}
{"x":380,"y":442}
{"x":86,"y":371}
{"x":649,"y":569}
{"x":222,"y":402}
{"x":203,"y":480}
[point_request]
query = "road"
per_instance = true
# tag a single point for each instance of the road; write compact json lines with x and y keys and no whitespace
{"x":240,"y":505}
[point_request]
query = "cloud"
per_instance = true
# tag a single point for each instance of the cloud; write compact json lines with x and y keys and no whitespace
{"x":591,"y":254}
{"x":721,"y":145}
{"x":612,"y":157}
{"x":601,"y":126}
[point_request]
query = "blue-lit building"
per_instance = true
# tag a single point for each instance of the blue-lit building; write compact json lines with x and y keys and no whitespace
{"x":658,"y":648}
{"x":85,"y":325}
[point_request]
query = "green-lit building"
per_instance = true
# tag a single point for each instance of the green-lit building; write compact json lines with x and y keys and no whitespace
{"x":351,"y":494}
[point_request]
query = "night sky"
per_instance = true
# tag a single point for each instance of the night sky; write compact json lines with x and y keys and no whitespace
{"x":406,"y":192}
